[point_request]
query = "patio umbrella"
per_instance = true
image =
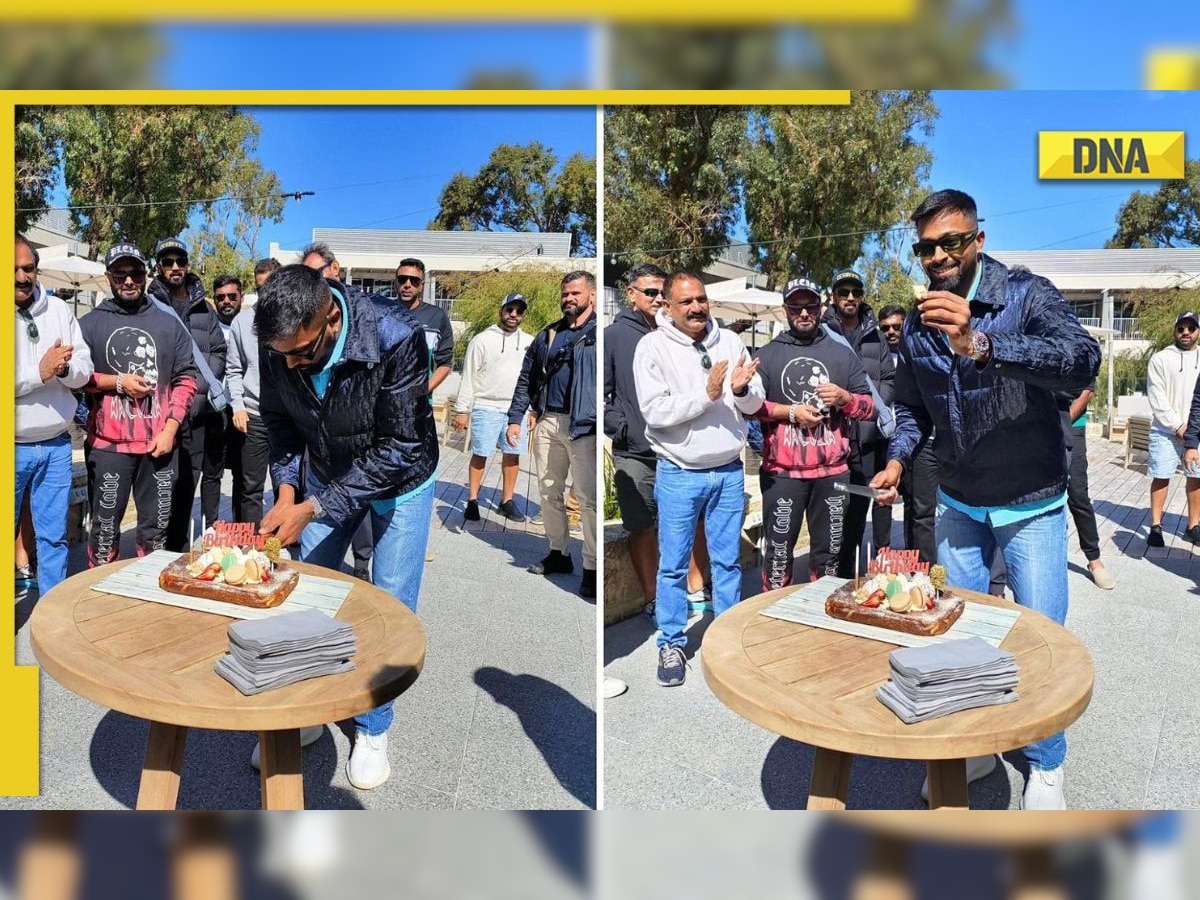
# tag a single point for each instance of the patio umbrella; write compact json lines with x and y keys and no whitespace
{"x":754,"y":304}
{"x":59,"y":270}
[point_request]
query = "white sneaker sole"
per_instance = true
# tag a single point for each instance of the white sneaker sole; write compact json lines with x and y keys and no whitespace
{"x":369,"y":785}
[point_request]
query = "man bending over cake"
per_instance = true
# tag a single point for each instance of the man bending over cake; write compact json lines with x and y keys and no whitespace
{"x":346,"y":379}
{"x":980,"y":360}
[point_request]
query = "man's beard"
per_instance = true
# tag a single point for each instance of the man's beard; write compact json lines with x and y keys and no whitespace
{"x":129,"y":302}
{"x":962,"y":278}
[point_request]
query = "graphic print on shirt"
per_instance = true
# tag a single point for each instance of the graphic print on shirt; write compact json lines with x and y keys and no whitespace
{"x":132,"y":351}
{"x":800,"y":379}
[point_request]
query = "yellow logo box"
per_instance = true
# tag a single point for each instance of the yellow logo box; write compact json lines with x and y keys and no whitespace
{"x":1110,"y":154}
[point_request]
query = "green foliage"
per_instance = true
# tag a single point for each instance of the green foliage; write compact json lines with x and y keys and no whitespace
{"x":891,"y":271}
{"x":817,"y":177}
{"x":1168,"y":217}
{"x":78,"y":57}
{"x":128,"y":165}
{"x":36,"y":162}
{"x":671,"y":180}
{"x":1156,"y":311}
{"x":611,"y":509}
{"x":1129,"y":377}
{"x":522,"y":188}
{"x":478,"y":304}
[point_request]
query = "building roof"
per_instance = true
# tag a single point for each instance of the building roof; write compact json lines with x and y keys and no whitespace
{"x":1109,"y":269}
{"x":498,"y":244}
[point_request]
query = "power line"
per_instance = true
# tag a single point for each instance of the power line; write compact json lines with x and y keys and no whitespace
{"x":286,"y":195}
{"x":1074,"y":237}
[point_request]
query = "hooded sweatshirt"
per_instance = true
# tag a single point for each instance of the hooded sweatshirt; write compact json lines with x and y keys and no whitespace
{"x":491,"y":369}
{"x":683,"y":425}
{"x":44,"y":410}
{"x":1171,"y":378}
{"x":791,"y":370}
{"x":146,"y":341}
{"x":623,"y":420}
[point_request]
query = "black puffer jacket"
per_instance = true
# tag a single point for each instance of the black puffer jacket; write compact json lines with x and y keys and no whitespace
{"x":872,"y":349}
{"x":202,"y":321}
{"x":530,"y":392}
{"x":372,"y":437}
{"x":623,"y":421}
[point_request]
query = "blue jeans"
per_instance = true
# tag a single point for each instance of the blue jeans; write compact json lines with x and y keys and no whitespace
{"x":683,"y":495}
{"x":1035,"y":552}
{"x":401,"y":536}
{"x":44,"y":468}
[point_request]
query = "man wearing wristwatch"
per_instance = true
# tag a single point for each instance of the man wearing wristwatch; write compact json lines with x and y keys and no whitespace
{"x":981,"y":358}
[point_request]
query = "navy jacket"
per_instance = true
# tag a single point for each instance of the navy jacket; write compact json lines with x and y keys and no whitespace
{"x":1191,"y":437}
{"x":999,"y":439}
{"x":623,"y":420}
{"x":530,"y":392}
{"x":204,"y":324}
{"x":372,"y":437}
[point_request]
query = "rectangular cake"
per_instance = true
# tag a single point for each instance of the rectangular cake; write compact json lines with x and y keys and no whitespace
{"x":902,"y":602}
{"x":271,"y":590}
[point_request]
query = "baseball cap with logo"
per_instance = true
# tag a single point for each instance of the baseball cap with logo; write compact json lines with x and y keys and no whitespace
{"x":169,"y":244}
{"x":800,"y":285}
{"x":842,"y":275}
{"x":514,"y":298}
{"x":123,"y":250}
{"x":1185,"y":316}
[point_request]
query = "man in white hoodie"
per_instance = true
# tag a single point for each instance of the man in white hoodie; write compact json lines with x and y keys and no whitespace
{"x":1171,"y":379}
{"x":489,"y":378}
{"x":694,"y":383}
{"x":52,"y":360}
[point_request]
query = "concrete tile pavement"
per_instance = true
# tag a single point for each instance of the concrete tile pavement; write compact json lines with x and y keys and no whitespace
{"x":1133,"y":747}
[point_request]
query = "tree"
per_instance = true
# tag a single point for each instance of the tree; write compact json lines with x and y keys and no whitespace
{"x":36,"y":163}
{"x":671,"y":182}
{"x":1156,"y":310}
{"x":1169,"y":217}
{"x":819,"y":180}
{"x":227,"y":242}
{"x":78,"y":57}
{"x":140,"y":172}
{"x":477,"y":301}
{"x":522,"y":188}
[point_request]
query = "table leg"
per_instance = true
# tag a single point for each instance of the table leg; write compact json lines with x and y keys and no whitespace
{"x":203,"y":867}
{"x":948,"y":784}
{"x":830,"y":780}
{"x":886,"y":876}
{"x":1037,"y":877}
{"x":164,"y":762}
{"x":282,"y":777}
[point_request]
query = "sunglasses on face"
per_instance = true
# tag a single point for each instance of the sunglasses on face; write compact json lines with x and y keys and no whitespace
{"x":414,"y":280}
{"x":849,"y":292}
{"x":1180,"y":329}
{"x":705,"y":359}
{"x":170,"y":262}
{"x":28,"y":270}
{"x":310,"y":351}
{"x":652,"y":293}
{"x":812,"y":309}
{"x":953,"y":244}
{"x":220,"y":297}
{"x":137,"y":276}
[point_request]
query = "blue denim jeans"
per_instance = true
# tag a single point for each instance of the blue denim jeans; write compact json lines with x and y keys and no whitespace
{"x":683,"y":495}
{"x":401,"y":536}
{"x":44,"y":468}
{"x":1035,"y":552}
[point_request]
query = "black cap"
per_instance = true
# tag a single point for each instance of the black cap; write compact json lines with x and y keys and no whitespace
{"x":123,"y":250}
{"x":169,"y":244}
{"x":1184,"y":316}
{"x":796,"y":285}
{"x":514,"y":298}
{"x":847,"y":275}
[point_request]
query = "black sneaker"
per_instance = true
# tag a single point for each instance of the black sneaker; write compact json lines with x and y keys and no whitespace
{"x":363,"y":573}
{"x":555,"y":563}
{"x":1155,"y":538}
{"x":672,"y":667}
{"x":472,"y":513}
{"x":587,"y":584}
{"x":509,"y":510}
{"x":1192,"y":534}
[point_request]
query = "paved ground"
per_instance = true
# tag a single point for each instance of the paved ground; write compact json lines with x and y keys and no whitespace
{"x":1133,"y":748}
{"x":503,"y":716}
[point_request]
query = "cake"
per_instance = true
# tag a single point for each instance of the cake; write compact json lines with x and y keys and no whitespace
{"x":899,"y":593}
{"x":233,"y":566}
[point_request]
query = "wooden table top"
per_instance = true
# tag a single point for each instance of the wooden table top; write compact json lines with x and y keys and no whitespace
{"x":818,"y":686}
{"x":156,"y":661}
{"x":994,"y":827}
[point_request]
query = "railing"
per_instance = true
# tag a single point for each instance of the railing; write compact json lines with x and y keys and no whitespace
{"x":1125,"y":328}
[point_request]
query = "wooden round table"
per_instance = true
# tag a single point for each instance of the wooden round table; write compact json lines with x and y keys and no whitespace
{"x":818,"y":687}
{"x":156,"y":662}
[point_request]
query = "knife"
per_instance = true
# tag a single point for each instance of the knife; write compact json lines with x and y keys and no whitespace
{"x":860,"y":490}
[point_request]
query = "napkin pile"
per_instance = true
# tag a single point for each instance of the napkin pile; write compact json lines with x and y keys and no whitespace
{"x":940,"y":679}
{"x":269,"y":653}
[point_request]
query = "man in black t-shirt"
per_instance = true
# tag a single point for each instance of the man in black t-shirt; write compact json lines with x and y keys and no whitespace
{"x":410,"y":287}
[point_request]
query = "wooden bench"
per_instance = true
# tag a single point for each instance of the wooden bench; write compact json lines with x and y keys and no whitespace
{"x":1137,"y":436}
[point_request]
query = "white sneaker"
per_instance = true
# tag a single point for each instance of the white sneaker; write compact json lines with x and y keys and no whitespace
{"x":368,"y":767}
{"x":1044,"y":790}
{"x":977,"y":767}
{"x":307,"y":736}
{"x":614,"y":687}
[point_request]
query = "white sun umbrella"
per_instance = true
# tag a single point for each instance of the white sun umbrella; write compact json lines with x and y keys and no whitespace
{"x":57,"y":269}
{"x":754,"y":304}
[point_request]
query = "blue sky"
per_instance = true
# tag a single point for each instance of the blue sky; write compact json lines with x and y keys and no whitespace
{"x":384,"y":167}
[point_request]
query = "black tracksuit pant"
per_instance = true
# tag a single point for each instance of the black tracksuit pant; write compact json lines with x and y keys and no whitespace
{"x":112,"y":477}
{"x":787,"y":502}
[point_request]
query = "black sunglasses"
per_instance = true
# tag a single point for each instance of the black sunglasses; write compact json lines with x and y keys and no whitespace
{"x":951,"y":243}
{"x":705,"y":359}
{"x":168,"y":262}
{"x":813,"y":309}
{"x":849,"y":292}
{"x":891,"y":327}
{"x":314,"y":346}
{"x":232,"y":296}
{"x":409,"y":279}
{"x":1187,"y":328}
{"x":652,"y":293}
{"x":31,"y":328}
{"x":137,"y":276}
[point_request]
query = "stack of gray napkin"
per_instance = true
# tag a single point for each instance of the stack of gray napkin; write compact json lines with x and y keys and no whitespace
{"x":934,"y":681}
{"x":268,"y":653}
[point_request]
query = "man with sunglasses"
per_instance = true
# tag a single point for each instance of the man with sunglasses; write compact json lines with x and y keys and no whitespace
{"x":227,"y":300}
{"x":410,"y":288}
{"x":1171,"y":379}
{"x":695,"y":384}
{"x":850,"y":315}
{"x":139,"y":396}
{"x":557,"y":389}
{"x":52,"y":360}
{"x":178,"y":288}
{"x":981,"y":358}
{"x":347,"y":382}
